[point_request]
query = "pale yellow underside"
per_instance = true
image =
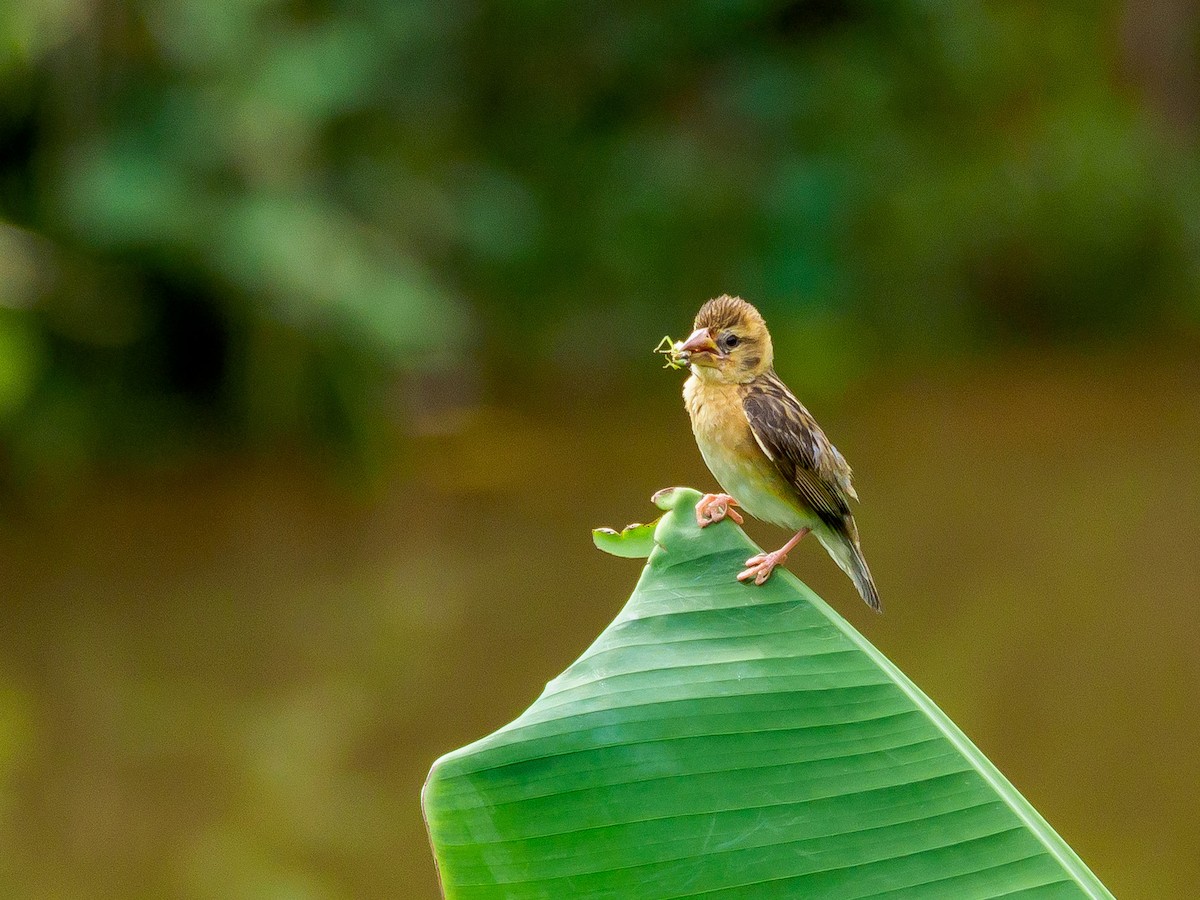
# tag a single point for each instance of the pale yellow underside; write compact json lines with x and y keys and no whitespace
{"x":735,"y":458}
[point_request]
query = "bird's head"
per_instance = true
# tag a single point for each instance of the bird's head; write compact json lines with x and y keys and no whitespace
{"x":730,"y":343}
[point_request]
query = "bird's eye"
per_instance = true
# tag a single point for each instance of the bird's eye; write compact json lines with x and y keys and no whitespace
{"x":730,"y":341}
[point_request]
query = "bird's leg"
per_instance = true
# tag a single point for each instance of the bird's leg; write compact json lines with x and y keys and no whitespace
{"x":760,"y":567}
{"x":715,"y":507}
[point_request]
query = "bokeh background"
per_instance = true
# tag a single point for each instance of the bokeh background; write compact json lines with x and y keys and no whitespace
{"x":325,"y":336}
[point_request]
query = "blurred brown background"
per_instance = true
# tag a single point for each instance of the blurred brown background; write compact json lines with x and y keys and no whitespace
{"x":325,"y":338}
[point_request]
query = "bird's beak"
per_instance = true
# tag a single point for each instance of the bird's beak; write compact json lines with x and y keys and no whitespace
{"x":699,"y":341}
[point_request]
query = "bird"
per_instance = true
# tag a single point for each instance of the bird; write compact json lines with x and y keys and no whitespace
{"x":765,"y":449}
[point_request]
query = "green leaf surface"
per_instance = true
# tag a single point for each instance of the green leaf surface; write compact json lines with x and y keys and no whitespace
{"x":632,"y":542}
{"x":724,"y":740}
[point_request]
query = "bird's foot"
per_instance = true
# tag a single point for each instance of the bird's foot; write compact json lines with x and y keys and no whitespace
{"x":714,"y":507}
{"x":760,"y":567}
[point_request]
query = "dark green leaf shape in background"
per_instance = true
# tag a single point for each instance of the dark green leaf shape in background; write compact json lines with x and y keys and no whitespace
{"x":723,"y":740}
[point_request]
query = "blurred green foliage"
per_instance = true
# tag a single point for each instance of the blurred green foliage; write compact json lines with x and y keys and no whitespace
{"x":242,"y":219}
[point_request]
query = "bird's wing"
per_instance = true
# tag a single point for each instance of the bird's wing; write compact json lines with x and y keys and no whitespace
{"x":795,"y":443}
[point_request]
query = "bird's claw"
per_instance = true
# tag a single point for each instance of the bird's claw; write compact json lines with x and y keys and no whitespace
{"x":761,"y":566}
{"x":715,"y":507}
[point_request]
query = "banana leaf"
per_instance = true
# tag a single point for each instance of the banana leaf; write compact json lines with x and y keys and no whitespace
{"x":722,"y":740}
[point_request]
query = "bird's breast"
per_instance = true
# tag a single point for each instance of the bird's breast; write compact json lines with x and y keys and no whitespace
{"x":716,"y":412}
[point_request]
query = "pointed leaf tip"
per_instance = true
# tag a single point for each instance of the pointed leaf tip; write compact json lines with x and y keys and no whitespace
{"x":637,"y":541}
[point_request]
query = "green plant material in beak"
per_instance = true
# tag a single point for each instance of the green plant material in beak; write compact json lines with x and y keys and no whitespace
{"x":670,"y":349}
{"x":723,"y":740}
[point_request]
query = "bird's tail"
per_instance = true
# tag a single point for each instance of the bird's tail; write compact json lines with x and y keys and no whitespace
{"x":848,"y":555}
